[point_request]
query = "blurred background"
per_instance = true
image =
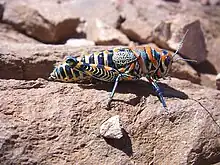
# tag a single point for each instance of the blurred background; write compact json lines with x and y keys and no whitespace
{"x":86,"y":23}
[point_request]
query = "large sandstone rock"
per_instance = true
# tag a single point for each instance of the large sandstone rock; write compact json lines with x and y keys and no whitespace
{"x":30,"y":61}
{"x":183,"y":70}
{"x":9,"y":34}
{"x":169,"y":34}
{"x":96,"y":9}
{"x":218,"y":81}
{"x":1,"y":9}
{"x":104,"y":34}
{"x":209,"y":80}
{"x":37,"y":19}
{"x":213,"y":55}
{"x":141,"y":32}
{"x":58,"y":123}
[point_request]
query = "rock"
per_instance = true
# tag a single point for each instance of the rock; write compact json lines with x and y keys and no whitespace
{"x":208,"y":80}
{"x":95,"y":9}
{"x":128,"y":11}
{"x":141,"y":32}
{"x":37,"y":20}
{"x":103,"y":34}
{"x":172,"y":0}
{"x":10,"y":66}
{"x":79,"y":42}
{"x":9,"y":34}
{"x":204,"y":2}
{"x":183,"y":70}
{"x":171,"y":33}
{"x":213,"y":54}
{"x":1,"y":9}
{"x":112,"y":128}
{"x":214,"y":2}
{"x":32,"y":61}
{"x":210,"y":2}
{"x":164,"y":10}
{"x":49,"y":122}
{"x":218,"y":81}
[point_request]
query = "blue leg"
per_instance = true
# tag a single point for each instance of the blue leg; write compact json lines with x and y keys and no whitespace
{"x":114,"y":88}
{"x":158,"y":91}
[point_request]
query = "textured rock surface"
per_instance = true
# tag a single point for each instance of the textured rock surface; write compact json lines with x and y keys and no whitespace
{"x":9,"y":34}
{"x":183,"y":70}
{"x":214,"y":50}
{"x":103,"y":34}
{"x":169,"y":34}
{"x":218,"y":81}
{"x":58,"y":123}
{"x":141,"y":32}
{"x":1,"y":9}
{"x":112,"y":128}
{"x":36,"y":19}
{"x":208,"y":80}
{"x":92,"y":9}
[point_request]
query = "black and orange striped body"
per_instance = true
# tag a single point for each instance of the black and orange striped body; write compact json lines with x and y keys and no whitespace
{"x":118,"y":64}
{"x":101,"y":64}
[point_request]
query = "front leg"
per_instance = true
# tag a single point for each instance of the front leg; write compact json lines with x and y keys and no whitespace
{"x":158,"y":91}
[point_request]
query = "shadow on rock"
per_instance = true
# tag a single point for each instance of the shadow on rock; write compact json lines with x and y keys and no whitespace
{"x":123,"y":144}
{"x":139,"y":88}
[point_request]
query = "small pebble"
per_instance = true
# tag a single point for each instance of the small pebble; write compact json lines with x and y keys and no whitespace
{"x":112,"y":128}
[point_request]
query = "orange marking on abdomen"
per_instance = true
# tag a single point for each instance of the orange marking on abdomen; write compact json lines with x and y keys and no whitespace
{"x":152,"y":59}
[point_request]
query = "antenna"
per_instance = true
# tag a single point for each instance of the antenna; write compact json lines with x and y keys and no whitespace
{"x":181,"y":43}
{"x":183,"y":59}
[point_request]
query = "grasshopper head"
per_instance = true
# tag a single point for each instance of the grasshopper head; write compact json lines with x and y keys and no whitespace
{"x":71,"y":61}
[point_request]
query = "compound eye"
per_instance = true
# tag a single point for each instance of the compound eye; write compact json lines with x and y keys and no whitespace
{"x":167,"y":60}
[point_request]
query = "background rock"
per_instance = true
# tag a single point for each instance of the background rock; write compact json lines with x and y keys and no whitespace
{"x":37,"y":20}
{"x":103,"y":34}
{"x":9,"y":34}
{"x":95,"y":9}
{"x":183,"y":70}
{"x":218,"y":81}
{"x":1,"y":9}
{"x":208,"y":80}
{"x":213,"y":53}
{"x":169,"y":34}
{"x":141,"y":32}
